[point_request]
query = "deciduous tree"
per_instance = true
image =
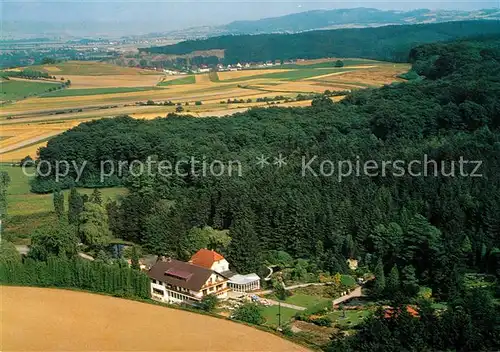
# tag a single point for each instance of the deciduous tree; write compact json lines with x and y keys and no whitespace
{"x":94,"y":228}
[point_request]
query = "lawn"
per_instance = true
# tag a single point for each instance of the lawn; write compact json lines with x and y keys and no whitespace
{"x":348,"y":280}
{"x":271,"y":315}
{"x":352,"y":317}
{"x":26,"y":211}
{"x":303,"y":300}
{"x":20,"y":89}
{"x":96,"y":91}
{"x":183,"y":80}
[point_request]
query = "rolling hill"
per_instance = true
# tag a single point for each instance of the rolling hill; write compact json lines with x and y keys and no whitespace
{"x":390,"y":43}
{"x":334,"y":19}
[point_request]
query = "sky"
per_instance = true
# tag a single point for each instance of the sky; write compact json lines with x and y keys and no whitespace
{"x":165,"y":15}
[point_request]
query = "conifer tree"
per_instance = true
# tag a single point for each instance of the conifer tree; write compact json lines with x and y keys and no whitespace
{"x":4,"y":185}
{"x":75,"y":206}
{"x":96,"y":197}
{"x":244,"y":250}
{"x":58,"y":199}
{"x":135,"y":258}
{"x":409,"y":281}
{"x":379,"y":286}
{"x":392,"y":283}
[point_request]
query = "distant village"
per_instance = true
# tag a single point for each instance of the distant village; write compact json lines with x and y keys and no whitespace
{"x":222,"y":68}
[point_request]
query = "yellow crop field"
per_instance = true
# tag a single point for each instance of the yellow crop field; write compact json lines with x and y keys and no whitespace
{"x":376,"y":76}
{"x":111,"y":81}
{"x":299,"y":86}
{"x":223,"y":76}
{"x":91,"y":68}
{"x":203,"y":79}
{"x":51,"y":69}
{"x":26,"y":138}
{"x":18,"y":154}
{"x":175,"y":93}
{"x":60,"y":320}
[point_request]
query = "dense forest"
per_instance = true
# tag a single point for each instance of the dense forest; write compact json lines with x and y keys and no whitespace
{"x":390,"y":43}
{"x":433,"y":227}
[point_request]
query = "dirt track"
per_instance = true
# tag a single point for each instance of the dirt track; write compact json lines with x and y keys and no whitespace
{"x":57,"y":320}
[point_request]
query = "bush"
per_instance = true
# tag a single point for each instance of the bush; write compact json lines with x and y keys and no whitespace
{"x":198,"y":103}
{"x":410,"y":76}
{"x":209,"y":302}
{"x":287,"y":330}
{"x":249,"y":313}
{"x":322,"y":321}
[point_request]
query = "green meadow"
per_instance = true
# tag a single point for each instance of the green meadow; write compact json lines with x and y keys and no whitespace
{"x":20,"y":89}
{"x":26,"y":211}
{"x":178,"y":81}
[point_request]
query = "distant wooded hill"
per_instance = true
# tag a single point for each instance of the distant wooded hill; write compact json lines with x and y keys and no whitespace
{"x":390,"y":43}
{"x":360,"y":17}
{"x":333,"y":19}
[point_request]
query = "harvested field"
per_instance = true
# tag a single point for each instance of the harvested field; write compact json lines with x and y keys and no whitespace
{"x":25,"y":139}
{"x":299,"y":87}
{"x":338,"y":73}
{"x":376,"y":76}
{"x":203,"y":78}
{"x":113,"y":81}
{"x":175,"y":93}
{"x":51,"y":69}
{"x":223,"y":76}
{"x":59,"y":320}
{"x":19,"y":154}
{"x":90,"y":68}
{"x":101,"y":90}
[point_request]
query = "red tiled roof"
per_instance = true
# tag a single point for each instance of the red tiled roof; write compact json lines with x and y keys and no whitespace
{"x":180,"y":274}
{"x":389,"y":312}
{"x":205,"y":258}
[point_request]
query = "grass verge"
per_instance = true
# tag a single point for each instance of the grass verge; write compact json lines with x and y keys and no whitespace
{"x":179,"y":81}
